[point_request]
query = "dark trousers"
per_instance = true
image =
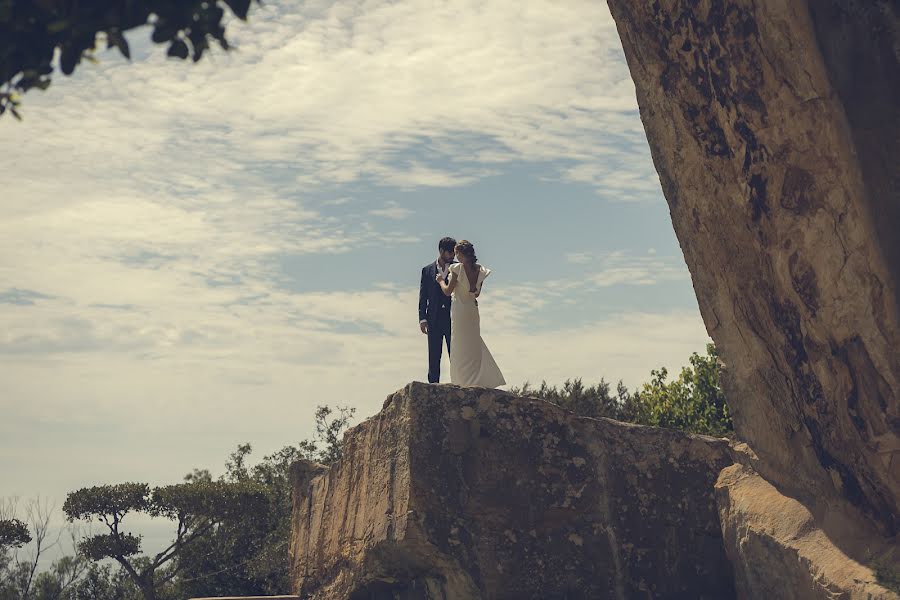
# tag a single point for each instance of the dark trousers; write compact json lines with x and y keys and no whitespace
{"x":438,"y":331}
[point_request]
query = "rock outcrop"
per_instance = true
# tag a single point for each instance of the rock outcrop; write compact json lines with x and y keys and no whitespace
{"x":474,"y":493}
{"x":775,"y":131}
{"x":778,"y":551}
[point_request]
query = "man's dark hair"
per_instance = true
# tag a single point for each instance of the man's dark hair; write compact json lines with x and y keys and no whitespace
{"x":446,"y":244}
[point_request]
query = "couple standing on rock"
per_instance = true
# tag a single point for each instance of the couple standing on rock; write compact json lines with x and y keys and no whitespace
{"x":441,"y":318}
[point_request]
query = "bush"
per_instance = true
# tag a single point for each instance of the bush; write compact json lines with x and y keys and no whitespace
{"x":693,"y":402}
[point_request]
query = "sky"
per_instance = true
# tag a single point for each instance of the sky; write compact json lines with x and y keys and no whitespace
{"x":194,"y":256}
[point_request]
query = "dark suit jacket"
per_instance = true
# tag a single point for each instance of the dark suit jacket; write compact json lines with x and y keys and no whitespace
{"x":432,"y":301}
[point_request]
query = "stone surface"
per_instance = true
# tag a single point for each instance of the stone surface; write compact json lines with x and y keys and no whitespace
{"x":775,"y":131}
{"x":475,"y":493}
{"x":778,"y":551}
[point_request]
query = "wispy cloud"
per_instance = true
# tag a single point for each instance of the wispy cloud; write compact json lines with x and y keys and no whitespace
{"x":350,"y":89}
{"x":22,"y":297}
{"x":623,"y":268}
{"x":201,"y":173}
{"x":391,"y":210}
{"x":579,"y":258}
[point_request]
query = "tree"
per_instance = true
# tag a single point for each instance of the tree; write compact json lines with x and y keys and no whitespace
{"x":63,"y":575}
{"x":694,"y":402}
{"x":197,"y":507}
{"x":328,"y":432}
{"x":236,"y":560}
{"x":232,"y":534}
{"x":31,"y":33}
{"x":19,"y":570}
{"x":13,"y":535}
{"x":103,"y":582}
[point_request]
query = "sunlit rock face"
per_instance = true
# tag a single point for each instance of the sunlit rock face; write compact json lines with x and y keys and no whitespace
{"x":475,"y":493}
{"x":778,"y":551}
{"x":776,"y":134}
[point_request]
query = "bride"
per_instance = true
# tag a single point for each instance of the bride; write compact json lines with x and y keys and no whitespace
{"x":471,"y":363}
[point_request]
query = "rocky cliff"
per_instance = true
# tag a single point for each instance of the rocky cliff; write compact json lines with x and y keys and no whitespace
{"x":468,"y":493}
{"x":775,"y":131}
{"x":474,"y":493}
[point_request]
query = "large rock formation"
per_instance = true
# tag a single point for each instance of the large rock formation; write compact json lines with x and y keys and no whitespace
{"x":778,"y":551}
{"x":776,"y":134}
{"x":473,"y":493}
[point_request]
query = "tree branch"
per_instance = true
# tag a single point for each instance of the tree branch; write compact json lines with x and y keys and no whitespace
{"x":174,"y":545}
{"x":183,"y":539}
{"x":39,"y":517}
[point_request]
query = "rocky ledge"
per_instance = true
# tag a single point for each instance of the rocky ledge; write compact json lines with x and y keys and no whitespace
{"x":475,"y":493}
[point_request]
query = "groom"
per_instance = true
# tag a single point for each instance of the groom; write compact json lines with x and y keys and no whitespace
{"x":434,"y":307}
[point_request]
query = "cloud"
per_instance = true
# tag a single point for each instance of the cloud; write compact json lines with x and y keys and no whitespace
{"x":414,"y":175}
{"x":349,"y":90}
{"x":159,"y":181}
{"x":222,"y":337}
{"x":391,"y":210}
{"x":22,"y":297}
{"x":623,"y":268}
{"x":270,"y":362}
{"x":579,"y":258}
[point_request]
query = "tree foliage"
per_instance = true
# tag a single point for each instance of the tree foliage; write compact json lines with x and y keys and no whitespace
{"x":197,"y":508}
{"x":13,"y":534}
{"x":102,"y":581}
{"x":32,"y":32}
{"x":593,"y":401}
{"x":59,"y":581}
{"x":329,"y":432}
{"x":693,"y":402}
{"x":237,"y":561}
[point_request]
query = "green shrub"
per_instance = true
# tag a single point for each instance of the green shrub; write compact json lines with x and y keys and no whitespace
{"x":693,"y":402}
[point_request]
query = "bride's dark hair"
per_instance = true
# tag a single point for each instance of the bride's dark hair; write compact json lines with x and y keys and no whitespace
{"x":466,"y":248}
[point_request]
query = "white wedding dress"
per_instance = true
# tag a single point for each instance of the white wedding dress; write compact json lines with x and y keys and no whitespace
{"x":471,"y":363}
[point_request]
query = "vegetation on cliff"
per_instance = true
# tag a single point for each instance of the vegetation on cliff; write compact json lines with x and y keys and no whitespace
{"x":692,"y":402}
